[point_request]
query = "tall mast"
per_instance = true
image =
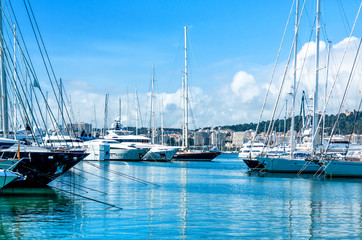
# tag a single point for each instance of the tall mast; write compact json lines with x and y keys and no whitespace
{"x":183,"y":112}
{"x":105,"y":114}
{"x":186,"y":94}
{"x":292,"y":138}
{"x":95,"y":119}
{"x":120,"y":109}
{"x":135,"y":95}
{"x":61,"y":104}
{"x":285,"y":122}
{"x":152,"y":107}
{"x":315,"y":99}
{"x":127,"y":111}
{"x":4,"y":101}
{"x":15,"y":98}
{"x":325,"y":87}
{"x":46,"y":113}
{"x":162,"y":122}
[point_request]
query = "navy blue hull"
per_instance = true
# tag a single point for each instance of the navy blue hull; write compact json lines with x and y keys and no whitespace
{"x":253,"y":163}
{"x":196,"y":156}
{"x":40,"y":168}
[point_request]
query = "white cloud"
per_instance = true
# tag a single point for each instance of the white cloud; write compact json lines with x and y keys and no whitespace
{"x":238,"y":100}
{"x":244,"y":85}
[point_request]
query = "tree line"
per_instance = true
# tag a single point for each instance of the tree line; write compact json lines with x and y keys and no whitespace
{"x":347,"y":124}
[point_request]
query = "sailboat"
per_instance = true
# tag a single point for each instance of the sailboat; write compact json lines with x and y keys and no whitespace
{"x":130,"y":147}
{"x":294,"y":163}
{"x":39,"y":166}
{"x":186,"y":154}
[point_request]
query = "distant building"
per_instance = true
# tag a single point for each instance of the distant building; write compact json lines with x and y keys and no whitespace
{"x":218,"y":138}
{"x":238,"y":139}
{"x":79,"y":128}
{"x":201,"y":138}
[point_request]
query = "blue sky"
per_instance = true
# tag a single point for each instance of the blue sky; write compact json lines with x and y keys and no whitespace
{"x":109,"y":46}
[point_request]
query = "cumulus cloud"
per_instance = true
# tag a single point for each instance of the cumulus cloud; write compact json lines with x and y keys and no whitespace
{"x":244,"y":85}
{"x":238,"y":100}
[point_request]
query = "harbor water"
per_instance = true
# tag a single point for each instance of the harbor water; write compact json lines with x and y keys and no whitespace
{"x":187,"y":200}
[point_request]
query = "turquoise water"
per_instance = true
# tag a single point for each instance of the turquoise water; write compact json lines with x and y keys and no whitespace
{"x":205,"y":200}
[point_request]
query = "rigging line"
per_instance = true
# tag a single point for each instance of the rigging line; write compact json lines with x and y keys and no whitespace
{"x":271,"y":124}
{"x":347,"y":27}
{"x":28,"y":63}
{"x":12,"y":77}
{"x":344,"y":95}
{"x":139,"y":109}
{"x":77,"y":174}
{"x":272,"y":75}
{"x":45,"y":65}
{"x":6,"y":47}
{"x":34,"y":115}
{"x":53,"y":178}
{"x":26,"y":115}
{"x":88,"y":198}
{"x":49,"y":62}
{"x":121,"y":174}
{"x":338,"y":70}
{"x":304,"y":60}
{"x":15,"y":87}
{"x":92,"y":174}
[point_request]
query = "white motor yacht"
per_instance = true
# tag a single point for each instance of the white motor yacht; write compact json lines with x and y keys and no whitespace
{"x":107,"y":149}
{"x":152,"y":152}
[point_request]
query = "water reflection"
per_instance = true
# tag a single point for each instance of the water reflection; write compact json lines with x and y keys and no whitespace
{"x":213,"y":200}
{"x":26,"y":213}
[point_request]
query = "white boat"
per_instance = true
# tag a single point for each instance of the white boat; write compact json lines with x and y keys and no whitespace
{"x":62,"y":141}
{"x":143,"y":144}
{"x":107,"y":149}
{"x":98,"y":149}
{"x":250,"y":150}
{"x":160,"y":152}
{"x":7,"y":177}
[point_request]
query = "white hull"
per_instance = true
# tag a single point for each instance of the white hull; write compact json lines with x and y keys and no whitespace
{"x":127,"y":154}
{"x":7,"y":177}
{"x":337,"y":168}
{"x":160,"y":154}
{"x":285,"y":165}
{"x":112,"y":150}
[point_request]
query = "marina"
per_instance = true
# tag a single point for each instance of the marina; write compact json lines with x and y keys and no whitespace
{"x":209,"y":200}
{"x":226,"y":134}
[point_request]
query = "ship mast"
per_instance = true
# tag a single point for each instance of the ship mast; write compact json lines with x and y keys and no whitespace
{"x":292,"y":137}
{"x":135,"y":94}
{"x":315,"y":100}
{"x":152,"y":107}
{"x":162,"y":122}
{"x":186,"y":108}
{"x":4,"y":95}
{"x":105,"y":114}
{"x":14,"y":74}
